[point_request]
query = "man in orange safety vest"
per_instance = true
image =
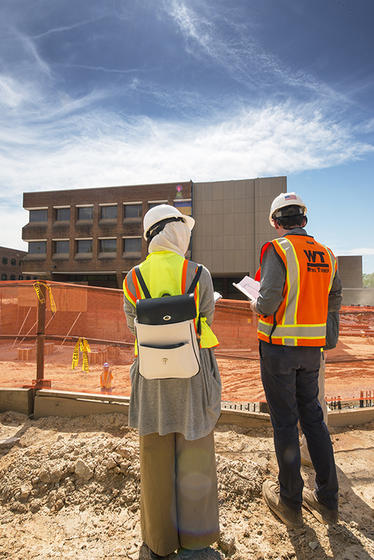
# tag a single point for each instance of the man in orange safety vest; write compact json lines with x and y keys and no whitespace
{"x":299,"y":285}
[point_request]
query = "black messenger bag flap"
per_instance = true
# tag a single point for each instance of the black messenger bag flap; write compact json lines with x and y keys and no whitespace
{"x":166,"y":310}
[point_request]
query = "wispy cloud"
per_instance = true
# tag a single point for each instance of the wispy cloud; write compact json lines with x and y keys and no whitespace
{"x":105,"y":149}
{"x":11,"y":94}
{"x":102,"y":68}
{"x":238,"y":52}
{"x":64,"y":28}
{"x":365,"y":251}
{"x":31,"y":49}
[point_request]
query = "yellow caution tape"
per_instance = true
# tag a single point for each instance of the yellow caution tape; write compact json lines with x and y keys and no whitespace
{"x":41,"y":297}
{"x":75,"y":361}
{"x":83,"y":346}
{"x":39,"y":292}
{"x":52,"y":302}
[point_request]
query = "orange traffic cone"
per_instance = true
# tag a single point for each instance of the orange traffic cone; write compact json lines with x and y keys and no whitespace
{"x":106,"y":379}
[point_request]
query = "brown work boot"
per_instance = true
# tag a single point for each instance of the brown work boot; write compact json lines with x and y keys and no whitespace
{"x":322,"y":513}
{"x":291,"y":517}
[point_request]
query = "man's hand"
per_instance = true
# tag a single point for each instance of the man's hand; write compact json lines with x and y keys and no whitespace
{"x":253,"y":306}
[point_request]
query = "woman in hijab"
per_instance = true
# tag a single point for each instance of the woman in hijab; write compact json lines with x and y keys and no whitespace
{"x":175,"y":417}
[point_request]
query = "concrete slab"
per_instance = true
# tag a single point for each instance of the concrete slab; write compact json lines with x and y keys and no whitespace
{"x":17,"y":400}
{"x":64,"y":403}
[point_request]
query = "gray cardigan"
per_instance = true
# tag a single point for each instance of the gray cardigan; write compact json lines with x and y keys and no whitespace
{"x":188,"y":406}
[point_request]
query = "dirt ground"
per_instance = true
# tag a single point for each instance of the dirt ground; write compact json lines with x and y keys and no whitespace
{"x":69,"y":488}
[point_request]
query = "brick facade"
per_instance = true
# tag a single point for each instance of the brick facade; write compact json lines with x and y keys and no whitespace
{"x":75,"y":236}
{"x":11,"y":263}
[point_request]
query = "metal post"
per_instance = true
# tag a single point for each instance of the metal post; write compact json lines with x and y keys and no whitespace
{"x":40,"y":382}
{"x":40,"y":336}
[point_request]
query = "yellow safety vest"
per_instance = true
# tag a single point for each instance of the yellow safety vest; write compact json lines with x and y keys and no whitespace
{"x":165,"y":272}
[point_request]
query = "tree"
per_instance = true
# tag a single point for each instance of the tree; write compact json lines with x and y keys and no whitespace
{"x":368,"y":280}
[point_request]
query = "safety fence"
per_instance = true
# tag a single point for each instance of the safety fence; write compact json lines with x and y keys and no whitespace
{"x":59,"y":336}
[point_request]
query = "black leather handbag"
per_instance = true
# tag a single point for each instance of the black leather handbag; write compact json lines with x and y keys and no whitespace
{"x":167,"y":339}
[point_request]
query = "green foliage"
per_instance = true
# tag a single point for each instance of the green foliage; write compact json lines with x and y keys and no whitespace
{"x":368,"y":280}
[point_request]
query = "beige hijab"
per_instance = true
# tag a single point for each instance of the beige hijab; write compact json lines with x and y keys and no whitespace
{"x":174,"y":237}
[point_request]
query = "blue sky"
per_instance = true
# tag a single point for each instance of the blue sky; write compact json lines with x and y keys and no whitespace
{"x":116,"y":92}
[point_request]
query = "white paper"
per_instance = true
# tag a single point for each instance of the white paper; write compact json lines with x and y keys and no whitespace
{"x":217,"y":296}
{"x":249,"y":287}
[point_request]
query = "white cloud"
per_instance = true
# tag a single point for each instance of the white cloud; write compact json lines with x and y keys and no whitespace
{"x":11,"y":94}
{"x":94,"y":148}
{"x":365,"y":251}
{"x":12,"y":221}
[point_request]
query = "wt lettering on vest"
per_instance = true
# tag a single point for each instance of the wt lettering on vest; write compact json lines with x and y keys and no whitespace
{"x":316,"y":261}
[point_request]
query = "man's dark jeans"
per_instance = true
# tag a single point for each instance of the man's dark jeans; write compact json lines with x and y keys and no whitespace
{"x":290,"y":378}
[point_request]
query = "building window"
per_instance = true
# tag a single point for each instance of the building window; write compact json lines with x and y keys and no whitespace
{"x":132,"y":246}
{"x":107,"y":245}
{"x":12,"y":276}
{"x":154,"y":203}
{"x":20,"y":277}
{"x":4,"y":260}
{"x":13,"y":262}
{"x":108,"y":212}
{"x":37,"y":247}
{"x":132,"y":211}
{"x":62,"y":214}
{"x":84,"y":246}
{"x":38,"y":215}
{"x":61,"y":247}
{"x":4,"y":277}
{"x":85,"y":213}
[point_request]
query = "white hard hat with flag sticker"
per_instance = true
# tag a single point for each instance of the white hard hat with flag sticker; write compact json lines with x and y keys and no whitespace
{"x":283,"y":200}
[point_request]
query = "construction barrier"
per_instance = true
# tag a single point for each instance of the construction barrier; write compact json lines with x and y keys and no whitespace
{"x":58,"y":336}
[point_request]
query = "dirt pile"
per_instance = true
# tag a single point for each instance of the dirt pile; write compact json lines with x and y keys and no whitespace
{"x":70,"y":488}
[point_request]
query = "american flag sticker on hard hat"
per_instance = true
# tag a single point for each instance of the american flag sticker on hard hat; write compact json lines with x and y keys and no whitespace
{"x":290,"y":197}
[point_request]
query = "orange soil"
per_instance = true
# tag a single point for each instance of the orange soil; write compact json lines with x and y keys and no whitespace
{"x":349,"y":369}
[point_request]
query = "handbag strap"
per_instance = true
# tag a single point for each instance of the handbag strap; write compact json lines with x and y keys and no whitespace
{"x":190,"y":290}
{"x":194,"y":282}
{"x":142,"y":283}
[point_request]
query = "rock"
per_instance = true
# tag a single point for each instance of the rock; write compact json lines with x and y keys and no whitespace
{"x":9,"y":442}
{"x":25,"y":493}
{"x":82,"y":470}
{"x":227,"y":545}
{"x":111,"y":463}
{"x":44,"y":475}
{"x":35,"y":505}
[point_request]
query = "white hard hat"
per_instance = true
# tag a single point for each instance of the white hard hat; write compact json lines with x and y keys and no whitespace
{"x":283,"y":200}
{"x":162,"y":212}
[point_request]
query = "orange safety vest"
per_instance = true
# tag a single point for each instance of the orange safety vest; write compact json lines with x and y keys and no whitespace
{"x":300,"y":320}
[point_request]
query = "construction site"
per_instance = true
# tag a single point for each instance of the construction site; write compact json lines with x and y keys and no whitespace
{"x":69,"y":468}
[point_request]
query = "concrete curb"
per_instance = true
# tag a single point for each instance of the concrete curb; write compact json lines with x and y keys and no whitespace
{"x":45,"y":402}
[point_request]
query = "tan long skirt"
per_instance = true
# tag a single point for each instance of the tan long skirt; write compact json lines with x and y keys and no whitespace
{"x":179,"y":503}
